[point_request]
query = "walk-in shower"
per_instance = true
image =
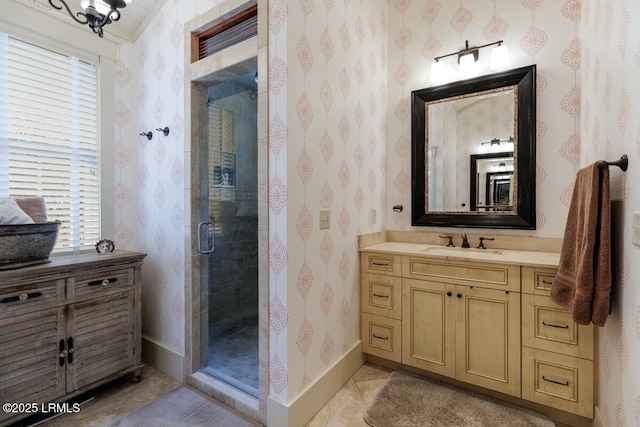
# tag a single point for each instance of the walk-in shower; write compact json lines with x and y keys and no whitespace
{"x":228,"y":240}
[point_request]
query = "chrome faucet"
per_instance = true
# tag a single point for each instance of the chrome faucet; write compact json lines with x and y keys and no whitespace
{"x":465,"y":242}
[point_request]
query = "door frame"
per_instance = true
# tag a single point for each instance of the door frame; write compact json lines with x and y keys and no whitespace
{"x":234,"y":61}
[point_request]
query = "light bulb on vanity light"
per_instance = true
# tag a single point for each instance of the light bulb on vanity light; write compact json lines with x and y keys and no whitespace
{"x":500,"y":57}
{"x":467,"y":65}
{"x":438,"y":72}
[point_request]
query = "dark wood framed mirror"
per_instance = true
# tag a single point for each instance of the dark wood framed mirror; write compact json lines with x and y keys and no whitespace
{"x":457,"y":125}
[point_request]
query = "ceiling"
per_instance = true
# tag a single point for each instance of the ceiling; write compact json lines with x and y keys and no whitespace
{"x":133,"y":21}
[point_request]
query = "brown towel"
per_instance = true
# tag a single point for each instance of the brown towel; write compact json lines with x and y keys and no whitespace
{"x":583,"y":283}
{"x":34,"y":207}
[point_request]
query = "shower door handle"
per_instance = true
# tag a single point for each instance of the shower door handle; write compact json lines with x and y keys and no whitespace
{"x":213,"y":238}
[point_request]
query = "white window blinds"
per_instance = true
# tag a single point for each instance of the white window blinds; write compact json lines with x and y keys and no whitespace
{"x":49,"y":136}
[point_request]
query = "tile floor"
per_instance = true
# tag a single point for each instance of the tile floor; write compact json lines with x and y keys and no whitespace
{"x":233,"y":353}
{"x":121,"y":397}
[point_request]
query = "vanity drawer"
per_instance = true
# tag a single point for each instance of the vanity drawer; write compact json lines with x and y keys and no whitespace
{"x":537,"y":280}
{"x":492,"y":276}
{"x":562,"y":382}
{"x":21,"y":299}
{"x":378,"y":263}
{"x":101,"y":283}
{"x":548,"y":326}
{"x":381,"y":337}
{"x":382,"y":295}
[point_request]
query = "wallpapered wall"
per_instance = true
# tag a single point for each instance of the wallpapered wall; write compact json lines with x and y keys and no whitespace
{"x":328,"y":92}
{"x":610,"y":126}
{"x":150,"y":175}
{"x":542,"y":32}
{"x":327,"y":89}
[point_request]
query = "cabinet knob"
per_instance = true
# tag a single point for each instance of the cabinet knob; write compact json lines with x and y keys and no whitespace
{"x":449,"y":293}
{"x":23,"y":297}
{"x":459,"y":295}
{"x":103,"y":282}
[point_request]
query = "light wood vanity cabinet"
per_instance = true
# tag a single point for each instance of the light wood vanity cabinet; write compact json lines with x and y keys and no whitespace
{"x":488,"y":324}
{"x":467,"y":332}
{"x":557,"y":353}
{"x":68,"y":326}
{"x":381,"y":305}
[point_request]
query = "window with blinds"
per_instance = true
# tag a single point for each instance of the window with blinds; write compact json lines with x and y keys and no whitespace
{"x":49,"y":136}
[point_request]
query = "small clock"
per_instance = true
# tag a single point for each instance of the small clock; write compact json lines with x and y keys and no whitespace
{"x":105,"y":246}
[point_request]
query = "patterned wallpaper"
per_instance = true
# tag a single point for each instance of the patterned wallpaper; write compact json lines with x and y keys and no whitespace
{"x":150,"y":175}
{"x":327,"y":89}
{"x":610,"y":126}
{"x":542,"y":32}
{"x":332,"y":105}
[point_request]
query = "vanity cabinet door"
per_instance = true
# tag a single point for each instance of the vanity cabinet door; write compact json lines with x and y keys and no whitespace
{"x":488,"y":338}
{"x":29,"y":355}
{"x":428,"y":326}
{"x":103,"y":338}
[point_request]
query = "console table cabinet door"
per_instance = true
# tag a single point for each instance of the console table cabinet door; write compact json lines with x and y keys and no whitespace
{"x":29,"y":350}
{"x":488,"y":338}
{"x":103,"y":338}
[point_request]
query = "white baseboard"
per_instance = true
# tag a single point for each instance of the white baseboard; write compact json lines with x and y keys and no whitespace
{"x":163,"y":358}
{"x":300,"y":410}
{"x":598,"y":418}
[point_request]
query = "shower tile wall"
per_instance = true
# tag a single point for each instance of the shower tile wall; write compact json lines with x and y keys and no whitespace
{"x":233,"y":291}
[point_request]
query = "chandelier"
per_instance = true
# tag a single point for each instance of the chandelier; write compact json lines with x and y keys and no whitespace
{"x":97,"y":13}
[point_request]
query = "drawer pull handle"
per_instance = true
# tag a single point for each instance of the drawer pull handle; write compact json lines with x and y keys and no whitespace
{"x":103,"y":282}
{"x":380,"y":337}
{"x":63,"y":352}
{"x":70,"y":350}
{"x":546,"y":282}
{"x":380,"y":264}
{"x":380,"y":296}
{"x":21,"y":297}
{"x":555,"y":326}
{"x":556,"y":382}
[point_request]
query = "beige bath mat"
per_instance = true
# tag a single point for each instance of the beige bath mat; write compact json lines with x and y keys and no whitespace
{"x":408,"y":400}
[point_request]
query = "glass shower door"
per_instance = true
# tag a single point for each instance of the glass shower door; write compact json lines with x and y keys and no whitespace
{"x":228,"y":234}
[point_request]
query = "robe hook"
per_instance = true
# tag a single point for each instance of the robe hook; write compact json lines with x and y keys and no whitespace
{"x":149,"y":135}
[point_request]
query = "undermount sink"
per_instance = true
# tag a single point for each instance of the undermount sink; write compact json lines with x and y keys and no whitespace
{"x":464,"y":252}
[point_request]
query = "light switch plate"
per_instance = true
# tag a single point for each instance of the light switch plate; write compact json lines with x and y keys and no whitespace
{"x":325,"y":219}
{"x":636,"y":228}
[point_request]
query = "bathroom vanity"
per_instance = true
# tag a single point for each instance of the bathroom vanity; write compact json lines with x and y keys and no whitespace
{"x":67,"y":327}
{"x":482,"y":317}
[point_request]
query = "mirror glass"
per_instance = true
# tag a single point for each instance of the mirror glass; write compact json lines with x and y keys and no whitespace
{"x":492,"y":187}
{"x":459,"y":128}
{"x":473,"y":152}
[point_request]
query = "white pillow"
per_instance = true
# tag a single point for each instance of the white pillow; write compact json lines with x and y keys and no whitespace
{"x":10,"y":213}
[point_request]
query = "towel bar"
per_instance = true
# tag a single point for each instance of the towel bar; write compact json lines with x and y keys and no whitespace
{"x":622,"y":163}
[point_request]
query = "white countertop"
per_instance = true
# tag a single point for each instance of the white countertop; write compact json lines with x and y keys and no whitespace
{"x":504,"y":256}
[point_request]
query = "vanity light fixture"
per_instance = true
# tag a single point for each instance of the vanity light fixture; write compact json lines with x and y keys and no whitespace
{"x":467,"y":57}
{"x":497,"y":141}
{"x":97,"y":13}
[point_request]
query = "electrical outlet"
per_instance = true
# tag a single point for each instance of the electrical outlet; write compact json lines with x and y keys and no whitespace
{"x":325,"y":219}
{"x":374,"y":216}
{"x":636,"y":228}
